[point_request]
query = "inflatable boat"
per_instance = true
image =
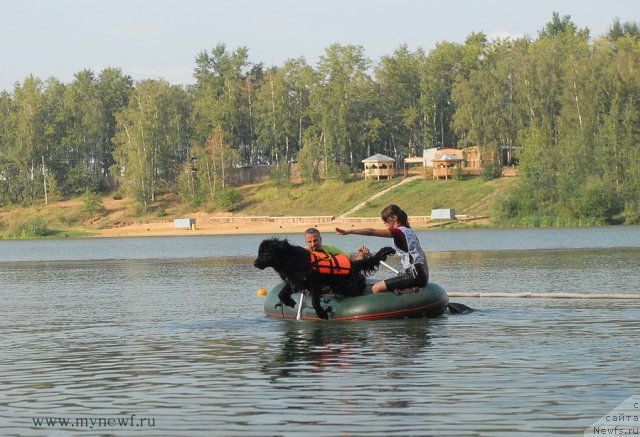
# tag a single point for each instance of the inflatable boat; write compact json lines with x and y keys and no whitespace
{"x":429,"y":301}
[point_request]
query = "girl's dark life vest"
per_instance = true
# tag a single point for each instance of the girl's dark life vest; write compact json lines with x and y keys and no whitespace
{"x":328,"y":264}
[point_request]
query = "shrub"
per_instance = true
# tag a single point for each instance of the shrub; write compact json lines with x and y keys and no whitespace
{"x":491,"y":170}
{"x":78,"y":178}
{"x":92,"y":203}
{"x":34,"y":227}
{"x":505,"y":208}
{"x":632,"y":213}
{"x":339,"y":172}
{"x":280,"y":174}
{"x":458,"y":174}
{"x":597,"y":201}
{"x":228,"y":199}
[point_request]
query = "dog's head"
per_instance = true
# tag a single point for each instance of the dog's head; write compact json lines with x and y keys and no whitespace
{"x":271,"y":253}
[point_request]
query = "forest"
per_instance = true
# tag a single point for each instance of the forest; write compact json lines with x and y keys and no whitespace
{"x":566,"y":103}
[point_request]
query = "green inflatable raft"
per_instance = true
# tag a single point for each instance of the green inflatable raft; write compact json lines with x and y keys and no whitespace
{"x":429,"y":301}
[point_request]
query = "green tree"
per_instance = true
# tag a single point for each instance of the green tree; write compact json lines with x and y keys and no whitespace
{"x":560,"y":28}
{"x":29,"y":146}
{"x":282,"y":111}
{"x":487,"y":111}
{"x":8,"y":171}
{"x":55,"y":165}
{"x":214,"y":160}
{"x":82,"y":112}
{"x":579,"y":123}
{"x":339,"y":104}
{"x":151,"y":141}
{"x":398,"y":78}
{"x":619,"y":136}
{"x":619,"y":30}
{"x":310,"y":156}
{"x":221,"y":96}
{"x":445,"y":65}
{"x":113,"y":89}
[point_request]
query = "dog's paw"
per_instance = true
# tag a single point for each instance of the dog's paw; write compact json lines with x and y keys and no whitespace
{"x":322,"y":313}
{"x":385,"y":252}
{"x":287,"y":300}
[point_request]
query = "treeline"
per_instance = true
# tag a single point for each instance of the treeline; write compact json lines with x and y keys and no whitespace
{"x":567,"y":105}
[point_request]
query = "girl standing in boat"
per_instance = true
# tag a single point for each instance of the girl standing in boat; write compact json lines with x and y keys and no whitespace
{"x":414,"y":261}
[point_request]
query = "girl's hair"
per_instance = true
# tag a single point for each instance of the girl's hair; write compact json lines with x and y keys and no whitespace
{"x":397,"y":211}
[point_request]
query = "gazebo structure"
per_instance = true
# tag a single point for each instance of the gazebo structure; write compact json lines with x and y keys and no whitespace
{"x":378,"y":166}
{"x":444,"y":165}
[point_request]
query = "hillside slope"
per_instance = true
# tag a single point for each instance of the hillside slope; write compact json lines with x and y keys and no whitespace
{"x":357,"y":198}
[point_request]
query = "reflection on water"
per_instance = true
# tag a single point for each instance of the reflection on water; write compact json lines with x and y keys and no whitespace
{"x":324,"y":347}
{"x":182,"y":339}
{"x":578,"y":271}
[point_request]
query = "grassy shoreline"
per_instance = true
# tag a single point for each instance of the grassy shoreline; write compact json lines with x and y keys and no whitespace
{"x":122,"y":216}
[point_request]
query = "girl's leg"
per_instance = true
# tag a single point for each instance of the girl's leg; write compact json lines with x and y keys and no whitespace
{"x":379,"y":287}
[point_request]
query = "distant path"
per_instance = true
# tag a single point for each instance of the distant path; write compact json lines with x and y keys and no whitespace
{"x":375,"y":196}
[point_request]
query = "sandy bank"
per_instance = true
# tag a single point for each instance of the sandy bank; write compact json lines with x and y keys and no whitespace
{"x":264,"y":225}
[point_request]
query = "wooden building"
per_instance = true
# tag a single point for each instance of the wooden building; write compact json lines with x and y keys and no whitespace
{"x":445,"y":165}
{"x":379,"y":167}
{"x":472,"y":156}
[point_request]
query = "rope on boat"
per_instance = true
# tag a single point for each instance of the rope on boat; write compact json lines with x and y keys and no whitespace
{"x":548,"y":295}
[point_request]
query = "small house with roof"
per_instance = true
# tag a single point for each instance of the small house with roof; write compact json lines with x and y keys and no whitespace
{"x":442,"y":163}
{"x":378,"y":166}
{"x":446,"y":162}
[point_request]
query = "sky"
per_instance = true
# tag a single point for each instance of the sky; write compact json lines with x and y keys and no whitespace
{"x":160,"y":39}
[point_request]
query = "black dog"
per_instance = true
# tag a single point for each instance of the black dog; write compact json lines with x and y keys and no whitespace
{"x":293,"y":264}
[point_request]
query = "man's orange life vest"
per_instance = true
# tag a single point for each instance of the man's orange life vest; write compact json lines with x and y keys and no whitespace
{"x":328,"y":264}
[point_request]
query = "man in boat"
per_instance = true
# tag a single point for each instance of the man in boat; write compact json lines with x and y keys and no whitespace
{"x":313,"y":241}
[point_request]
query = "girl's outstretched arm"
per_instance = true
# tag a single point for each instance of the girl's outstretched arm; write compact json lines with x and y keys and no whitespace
{"x":365,"y":231}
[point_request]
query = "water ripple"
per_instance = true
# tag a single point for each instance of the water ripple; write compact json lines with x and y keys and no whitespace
{"x":184,"y":342}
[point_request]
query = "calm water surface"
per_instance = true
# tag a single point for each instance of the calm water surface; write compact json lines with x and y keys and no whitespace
{"x":170,"y":330}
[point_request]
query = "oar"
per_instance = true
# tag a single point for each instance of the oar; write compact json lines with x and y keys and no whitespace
{"x":300,"y":305}
{"x":389,"y":267}
{"x":454,"y":308}
{"x":551,"y":295}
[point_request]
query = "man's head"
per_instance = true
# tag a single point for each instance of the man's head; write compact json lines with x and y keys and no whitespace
{"x":313,"y":239}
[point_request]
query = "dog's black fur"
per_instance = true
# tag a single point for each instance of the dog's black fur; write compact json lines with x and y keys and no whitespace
{"x":293,"y":264}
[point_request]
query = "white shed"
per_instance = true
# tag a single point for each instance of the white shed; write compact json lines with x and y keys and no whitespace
{"x":184,"y":223}
{"x":443,"y":214}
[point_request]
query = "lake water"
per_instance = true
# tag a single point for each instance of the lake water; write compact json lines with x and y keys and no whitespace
{"x":166,"y":336}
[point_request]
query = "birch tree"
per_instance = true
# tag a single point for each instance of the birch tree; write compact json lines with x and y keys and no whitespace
{"x":344,"y":88}
{"x":398,"y":79}
{"x":150,"y":140}
{"x":214,"y":159}
{"x":27,"y":123}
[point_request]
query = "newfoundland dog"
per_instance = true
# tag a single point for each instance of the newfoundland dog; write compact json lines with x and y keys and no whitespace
{"x":295,"y":267}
